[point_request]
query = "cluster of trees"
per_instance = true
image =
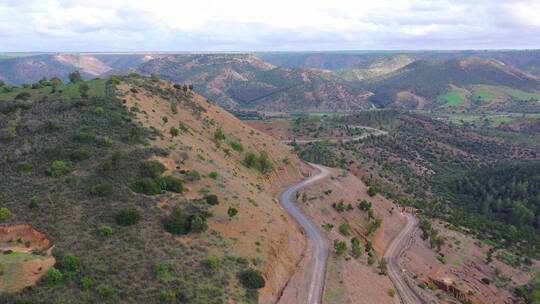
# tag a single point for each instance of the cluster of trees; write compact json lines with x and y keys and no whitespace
{"x":504,"y":199}
{"x":531,"y":292}
{"x":428,"y":232}
{"x":261,"y":163}
{"x":152,"y":182}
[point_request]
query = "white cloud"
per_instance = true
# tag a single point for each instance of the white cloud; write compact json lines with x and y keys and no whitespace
{"x":103,"y":25}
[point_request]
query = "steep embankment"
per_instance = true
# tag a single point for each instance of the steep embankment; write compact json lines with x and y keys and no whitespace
{"x":261,"y":231}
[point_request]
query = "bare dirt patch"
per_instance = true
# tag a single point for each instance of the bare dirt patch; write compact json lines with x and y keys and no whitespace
{"x":24,"y":258}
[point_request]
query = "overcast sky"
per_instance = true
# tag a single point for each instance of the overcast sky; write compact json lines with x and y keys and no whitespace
{"x":271,"y":25}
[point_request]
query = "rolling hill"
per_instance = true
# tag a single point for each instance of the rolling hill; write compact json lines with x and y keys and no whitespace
{"x":145,"y":192}
{"x":247,"y":82}
{"x":429,"y":84}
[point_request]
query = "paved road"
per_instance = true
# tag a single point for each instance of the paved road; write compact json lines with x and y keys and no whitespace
{"x":396,"y":249}
{"x":317,"y":239}
{"x":372,"y":132}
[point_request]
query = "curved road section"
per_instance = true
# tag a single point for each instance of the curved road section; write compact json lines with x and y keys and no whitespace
{"x":402,"y":242}
{"x":317,"y":239}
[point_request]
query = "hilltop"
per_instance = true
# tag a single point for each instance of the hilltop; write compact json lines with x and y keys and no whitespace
{"x":148,"y":191}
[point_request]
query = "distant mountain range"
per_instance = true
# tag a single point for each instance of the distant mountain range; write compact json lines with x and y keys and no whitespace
{"x":319,"y":81}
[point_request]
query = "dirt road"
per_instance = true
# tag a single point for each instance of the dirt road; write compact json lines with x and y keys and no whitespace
{"x":372,"y":132}
{"x":319,"y":247}
{"x":398,"y":246}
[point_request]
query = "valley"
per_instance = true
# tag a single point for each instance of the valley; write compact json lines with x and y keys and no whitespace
{"x":361,"y":178}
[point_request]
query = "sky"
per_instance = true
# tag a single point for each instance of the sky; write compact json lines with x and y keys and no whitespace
{"x":272,"y":25}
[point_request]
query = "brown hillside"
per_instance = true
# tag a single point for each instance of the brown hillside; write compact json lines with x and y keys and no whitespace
{"x":261,"y":231}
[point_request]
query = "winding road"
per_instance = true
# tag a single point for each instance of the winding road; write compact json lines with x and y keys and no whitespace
{"x":372,"y":132}
{"x":319,"y":246}
{"x":392,"y":255}
{"x":317,"y":239}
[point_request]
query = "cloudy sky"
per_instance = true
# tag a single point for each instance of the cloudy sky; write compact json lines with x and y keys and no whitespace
{"x":279,"y":25}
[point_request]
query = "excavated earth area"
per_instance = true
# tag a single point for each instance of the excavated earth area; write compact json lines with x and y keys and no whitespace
{"x":25,"y":256}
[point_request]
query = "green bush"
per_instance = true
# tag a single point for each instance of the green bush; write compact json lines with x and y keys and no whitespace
{"x":236,"y":146}
{"x":148,"y":186}
{"x":232,"y":212}
{"x":193,"y":175}
{"x":213,"y":174}
{"x":105,"y":230}
{"x":24,"y":167}
{"x":99,"y":111}
{"x":177,"y":222}
{"x":197,"y":223}
{"x":174,"y":131}
{"x":219,"y":135}
{"x":261,"y":163}
{"x":340,"y":247}
{"x":79,"y":154}
{"x":53,"y":277}
{"x":102,"y":189}
{"x":167,"y":296}
{"x":33,"y":203}
{"x":4,"y":213}
{"x":127,"y":217}
{"x":212,"y":199}
{"x":152,"y":169}
{"x":23,"y":96}
{"x":251,"y":278}
{"x":211,"y":263}
{"x":373,"y":190}
{"x":173,"y":184}
{"x":59,"y":168}
{"x":105,"y":291}
{"x":71,"y":263}
{"x":345,"y":229}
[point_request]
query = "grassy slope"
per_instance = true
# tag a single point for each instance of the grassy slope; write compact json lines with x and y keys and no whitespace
{"x":139,"y":263}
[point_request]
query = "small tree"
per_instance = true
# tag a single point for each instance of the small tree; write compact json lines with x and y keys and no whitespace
{"x":75,"y":77}
{"x":174,"y":131}
{"x":152,"y":169}
{"x":232,"y":212}
{"x":383,"y":266}
{"x":373,"y":190}
{"x":356,"y":249}
{"x":177,"y":222}
{"x":251,"y":278}
{"x":173,"y":184}
{"x":212,"y":199}
{"x":71,"y":263}
{"x":55,"y":83}
{"x":59,"y":168}
{"x":340,"y":247}
{"x":127,"y":217}
{"x":53,"y":277}
{"x":345,"y":229}
{"x":84,"y":89}
{"x":198,"y":223}
{"x":105,"y":230}
{"x":4,"y":213}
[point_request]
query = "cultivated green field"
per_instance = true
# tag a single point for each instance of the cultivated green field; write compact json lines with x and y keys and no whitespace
{"x":451,"y":98}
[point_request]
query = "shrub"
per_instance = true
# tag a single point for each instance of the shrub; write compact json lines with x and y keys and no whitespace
{"x":33,"y":203}
{"x":236,"y":146}
{"x":261,"y":163}
{"x":212,"y":199}
{"x":105,"y":230}
{"x":99,"y":111}
{"x":219,"y":135}
{"x":79,"y":154}
{"x":53,"y":277}
{"x":167,"y":296}
{"x":23,"y":96}
{"x":345,"y":229}
{"x":105,"y":291}
{"x":152,"y":169}
{"x":4,"y":213}
{"x":392,"y":292}
{"x":71,"y":263}
{"x":340,"y":247}
{"x":87,"y":283}
{"x":148,"y":186}
{"x":75,"y":77}
{"x":373,"y":190}
{"x":174,"y":131}
{"x":173,"y":184}
{"x":197,"y":223}
{"x":24,"y":167}
{"x":232,"y":212}
{"x":59,"y":168}
{"x":356,"y":249}
{"x":102,"y":189}
{"x":211,"y":263}
{"x":83,"y":90}
{"x":213,"y":174}
{"x":128,"y":216}
{"x":193,"y":175}
{"x":251,"y":278}
{"x":177,"y":222}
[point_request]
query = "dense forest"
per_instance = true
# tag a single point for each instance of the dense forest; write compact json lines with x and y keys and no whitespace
{"x":505,"y":193}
